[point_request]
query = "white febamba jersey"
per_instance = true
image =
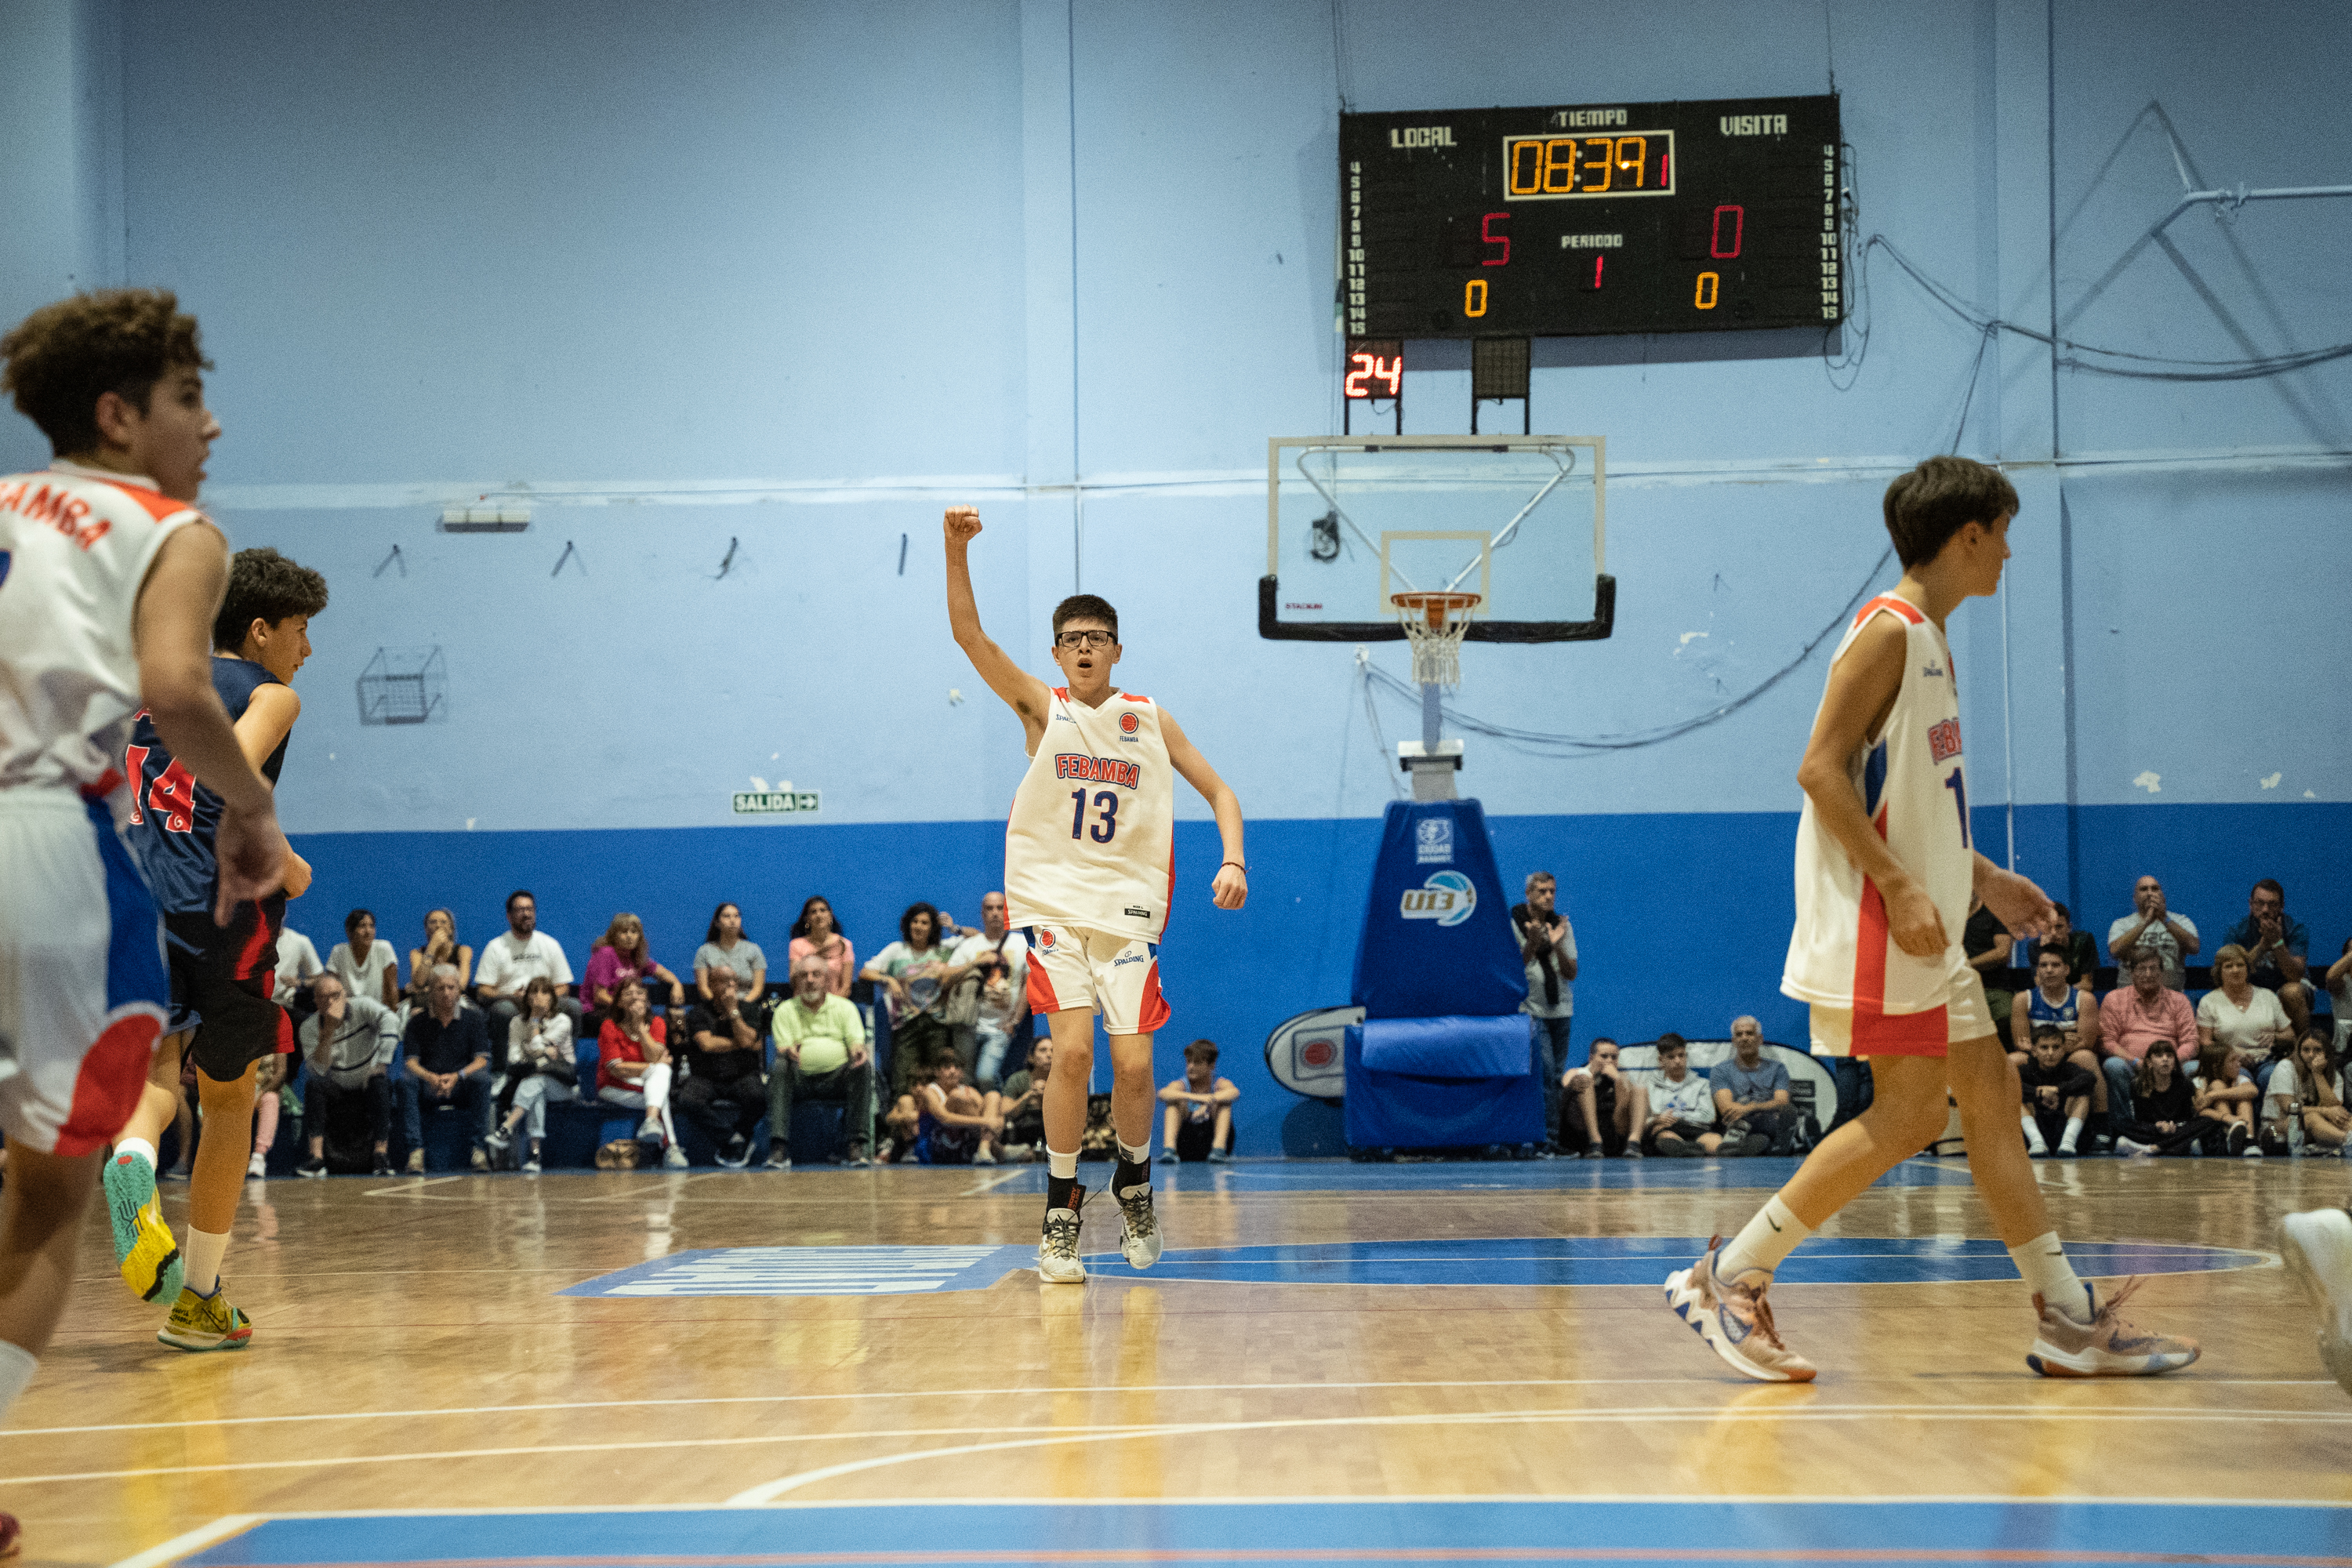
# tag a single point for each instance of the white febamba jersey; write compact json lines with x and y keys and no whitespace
{"x":75,"y":545}
{"x":1913,"y":785}
{"x":1092,"y":838}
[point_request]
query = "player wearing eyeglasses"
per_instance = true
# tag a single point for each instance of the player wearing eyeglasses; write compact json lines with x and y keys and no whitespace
{"x":1089,"y":870}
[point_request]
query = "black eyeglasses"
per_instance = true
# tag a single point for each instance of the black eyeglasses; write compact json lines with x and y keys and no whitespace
{"x":1074,"y":640}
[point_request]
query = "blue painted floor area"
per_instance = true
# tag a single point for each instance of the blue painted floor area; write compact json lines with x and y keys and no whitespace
{"x":1335,"y":1534}
{"x":1489,"y":1260}
{"x":1473,"y":1175}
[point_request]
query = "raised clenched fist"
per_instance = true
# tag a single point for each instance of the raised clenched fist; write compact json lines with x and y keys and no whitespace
{"x":963,"y":524}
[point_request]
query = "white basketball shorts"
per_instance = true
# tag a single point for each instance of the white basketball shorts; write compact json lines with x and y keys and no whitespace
{"x":1116,"y":976}
{"x":1865,"y":1032}
{"x":83,"y":990}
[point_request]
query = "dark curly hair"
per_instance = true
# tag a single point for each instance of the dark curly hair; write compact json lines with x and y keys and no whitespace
{"x":263,"y":585}
{"x":1936,"y":499}
{"x":65,"y":356}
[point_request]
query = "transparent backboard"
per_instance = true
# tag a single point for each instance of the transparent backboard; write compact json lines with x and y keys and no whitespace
{"x":1520,"y":521}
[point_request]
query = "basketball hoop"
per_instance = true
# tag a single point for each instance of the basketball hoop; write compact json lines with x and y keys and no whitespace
{"x":1434,"y":622}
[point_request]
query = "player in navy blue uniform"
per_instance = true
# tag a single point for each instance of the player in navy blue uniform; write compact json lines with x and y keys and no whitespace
{"x":222,"y":976}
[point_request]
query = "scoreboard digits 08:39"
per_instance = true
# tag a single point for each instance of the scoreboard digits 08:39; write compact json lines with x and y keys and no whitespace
{"x":1636,"y":217}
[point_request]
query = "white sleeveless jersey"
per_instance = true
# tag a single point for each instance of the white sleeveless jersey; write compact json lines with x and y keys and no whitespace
{"x":1092,"y":838}
{"x":1913,"y":785}
{"x":75,"y":545}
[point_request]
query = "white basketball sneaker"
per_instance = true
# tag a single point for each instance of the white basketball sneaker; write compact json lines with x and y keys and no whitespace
{"x":2318,"y":1247}
{"x":1139,"y":1228}
{"x":1058,"y":1249}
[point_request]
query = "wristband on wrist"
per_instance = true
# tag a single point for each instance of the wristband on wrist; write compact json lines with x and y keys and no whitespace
{"x":1237,"y":865}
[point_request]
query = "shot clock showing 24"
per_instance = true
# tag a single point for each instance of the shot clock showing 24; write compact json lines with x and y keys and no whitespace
{"x":1632,"y":217}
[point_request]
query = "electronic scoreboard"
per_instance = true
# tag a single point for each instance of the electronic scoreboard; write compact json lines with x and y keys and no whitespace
{"x":1603,"y":217}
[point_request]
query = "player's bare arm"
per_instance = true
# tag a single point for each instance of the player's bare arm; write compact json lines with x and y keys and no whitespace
{"x":172,"y":630}
{"x":269,"y":718}
{"x":1862,"y":690}
{"x":1023,"y":692}
{"x":1231,"y":887}
{"x":2014,"y":901}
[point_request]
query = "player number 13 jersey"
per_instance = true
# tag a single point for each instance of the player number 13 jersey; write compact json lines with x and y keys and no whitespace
{"x":1092,"y":839}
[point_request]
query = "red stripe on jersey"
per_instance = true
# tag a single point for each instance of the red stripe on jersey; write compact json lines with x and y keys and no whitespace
{"x":1136,"y":697}
{"x":1870,"y":941}
{"x":1877,"y":1034}
{"x":1063,"y":692}
{"x":1153,"y":1013}
{"x":1903,"y":607}
{"x":248,"y":958}
{"x":1041,"y":990}
{"x":104,"y":785}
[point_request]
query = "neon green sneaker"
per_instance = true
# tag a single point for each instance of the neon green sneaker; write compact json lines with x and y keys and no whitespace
{"x":143,"y":1249}
{"x":207,"y":1323}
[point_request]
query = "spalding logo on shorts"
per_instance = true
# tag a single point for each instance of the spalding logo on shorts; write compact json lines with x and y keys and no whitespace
{"x":1129,"y":723}
{"x":1448,"y":898}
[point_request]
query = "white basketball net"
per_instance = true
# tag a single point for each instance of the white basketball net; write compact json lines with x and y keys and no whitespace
{"x":1436,"y":625}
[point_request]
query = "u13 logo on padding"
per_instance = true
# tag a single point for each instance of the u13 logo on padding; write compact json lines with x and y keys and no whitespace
{"x":1448,"y":898}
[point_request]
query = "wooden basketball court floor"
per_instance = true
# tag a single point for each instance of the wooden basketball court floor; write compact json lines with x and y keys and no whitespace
{"x":1333,"y":1364}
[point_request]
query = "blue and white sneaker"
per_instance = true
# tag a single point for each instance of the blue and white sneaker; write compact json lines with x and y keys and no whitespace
{"x":1732,"y":1318}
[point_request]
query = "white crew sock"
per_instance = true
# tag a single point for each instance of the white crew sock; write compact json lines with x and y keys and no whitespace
{"x":2032,"y":1133}
{"x":1133,"y":1155}
{"x":2047,"y":1273}
{"x":1057,"y":1164}
{"x":16,"y":1366}
{"x":2074,"y":1131}
{"x":202,"y":1257}
{"x":140,"y":1147}
{"x":1770,"y":1237}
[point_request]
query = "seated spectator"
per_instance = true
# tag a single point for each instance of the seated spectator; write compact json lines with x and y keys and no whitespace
{"x":298,"y":965}
{"x":448,"y":1066}
{"x":1548,"y":955}
{"x":620,"y":954}
{"x":1024,"y":1101}
{"x":1199,"y":1121}
{"x":821,"y":1054}
{"x":723,"y":1090}
{"x":956,"y":1123}
{"x":909,"y":972}
{"x":268,"y":1077}
{"x":348,"y":1045}
{"x":2226,"y":1094}
{"x":1683,"y":1113}
{"x":366,"y":967}
{"x":725,"y":946}
{"x":2307,"y":1093}
{"x":1598,"y":1096}
{"x":511,"y":958}
{"x":542,"y":1066}
{"x":2340,"y":990}
{"x":2081,"y":952}
{"x":1987,"y":941}
{"x":2154,"y":927}
{"x":900,"y":1125}
{"x":2057,"y":1094}
{"x":2164,"y":1119}
{"x":989,"y":992}
{"x":440,"y":946}
{"x":2132,"y":1020}
{"x":2277,"y":948}
{"x":2056,"y":1003}
{"x":1752,"y":1092}
{"x":2243,"y":1016}
{"x":815,"y":935}
{"x":633,"y":1069}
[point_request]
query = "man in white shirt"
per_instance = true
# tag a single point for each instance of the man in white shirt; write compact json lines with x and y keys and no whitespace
{"x":347,"y":1045}
{"x":512,"y":959}
{"x":1682,"y":1106}
{"x":2150,"y":925}
{"x":991,"y":968}
{"x":298,"y":965}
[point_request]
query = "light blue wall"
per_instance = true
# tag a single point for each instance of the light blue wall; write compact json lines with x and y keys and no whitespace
{"x":796,"y":276}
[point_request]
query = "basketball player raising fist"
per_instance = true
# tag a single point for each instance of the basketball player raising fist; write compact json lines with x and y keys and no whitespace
{"x":1089,"y":870}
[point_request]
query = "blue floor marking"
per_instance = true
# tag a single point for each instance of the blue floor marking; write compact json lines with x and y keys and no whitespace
{"x":1490,"y":1260}
{"x":1331,"y":1534}
{"x":1470,"y":1176}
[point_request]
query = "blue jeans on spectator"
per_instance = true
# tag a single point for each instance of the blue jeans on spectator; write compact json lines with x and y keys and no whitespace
{"x":1552,"y":1059}
{"x":470,"y":1099}
{"x":2120,"y":1071}
{"x":1852,"y":1076}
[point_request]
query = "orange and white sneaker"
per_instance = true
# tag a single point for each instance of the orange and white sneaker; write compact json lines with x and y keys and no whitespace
{"x":2106,"y":1346}
{"x":1731,"y":1316}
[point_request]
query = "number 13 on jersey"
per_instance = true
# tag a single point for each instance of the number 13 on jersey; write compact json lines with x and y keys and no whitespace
{"x":1106,"y":822}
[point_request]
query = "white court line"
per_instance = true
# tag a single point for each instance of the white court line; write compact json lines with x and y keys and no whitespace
{"x":1954,"y":1413}
{"x":196,"y":1540}
{"x":759,"y":1495}
{"x":409,"y":1187}
{"x":992,"y":1183}
{"x":1054,"y":1390}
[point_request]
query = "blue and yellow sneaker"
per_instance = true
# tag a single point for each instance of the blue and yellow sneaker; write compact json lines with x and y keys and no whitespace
{"x":207,"y":1323}
{"x":143,"y":1249}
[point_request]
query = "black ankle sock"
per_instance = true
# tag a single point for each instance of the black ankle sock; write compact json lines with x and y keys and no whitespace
{"x":1059,"y":1190}
{"x":1130,"y":1173}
